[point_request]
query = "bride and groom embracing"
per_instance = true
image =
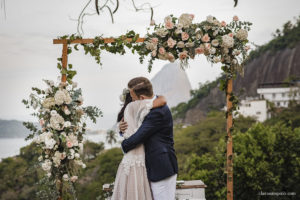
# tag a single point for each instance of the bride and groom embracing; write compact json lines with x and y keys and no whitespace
{"x":149,"y":168}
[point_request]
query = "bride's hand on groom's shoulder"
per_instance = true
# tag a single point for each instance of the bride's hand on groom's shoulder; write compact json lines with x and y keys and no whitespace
{"x":159,"y":101}
{"x":123,"y":126}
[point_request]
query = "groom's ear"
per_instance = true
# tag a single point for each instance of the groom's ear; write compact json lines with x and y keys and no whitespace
{"x":141,"y":97}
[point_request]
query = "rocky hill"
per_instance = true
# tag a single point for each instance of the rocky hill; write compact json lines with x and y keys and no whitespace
{"x":173,"y":83}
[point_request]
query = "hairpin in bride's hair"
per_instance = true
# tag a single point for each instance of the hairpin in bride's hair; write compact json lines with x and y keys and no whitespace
{"x":123,"y":95}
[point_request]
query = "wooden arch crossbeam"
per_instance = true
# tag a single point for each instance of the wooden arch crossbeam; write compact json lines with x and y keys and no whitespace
{"x":229,"y":154}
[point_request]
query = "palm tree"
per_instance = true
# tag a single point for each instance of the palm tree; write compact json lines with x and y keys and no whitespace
{"x":111,"y":137}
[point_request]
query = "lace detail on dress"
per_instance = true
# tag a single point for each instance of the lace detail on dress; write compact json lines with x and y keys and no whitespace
{"x":131,"y":161}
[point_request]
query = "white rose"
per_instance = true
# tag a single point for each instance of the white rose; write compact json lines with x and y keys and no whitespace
{"x":180,"y":44}
{"x":59,"y":97}
{"x":212,"y":50}
{"x":53,"y":112}
{"x":65,"y":177}
{"x":185,"y":20}
{"x":162,"y":32}
{"x":49,"y":143}
{"x":77,"y":155}
{"x":57,"y":122}
{"x":215,"y":42}
{"x":48,"y":102}
{"x":242,"y":34}
{"x":210,"y":19}
{"x":227,"y":41}
{"x":67,"y":124}
{"x":190,"y":44}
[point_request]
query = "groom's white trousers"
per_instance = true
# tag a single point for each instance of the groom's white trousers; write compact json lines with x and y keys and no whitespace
{"x":164,"y":189}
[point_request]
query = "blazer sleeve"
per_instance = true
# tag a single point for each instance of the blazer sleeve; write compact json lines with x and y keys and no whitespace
{"x":150,"y":125}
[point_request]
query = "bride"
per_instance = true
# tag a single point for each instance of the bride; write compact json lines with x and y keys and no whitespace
{"x":131,"y":182}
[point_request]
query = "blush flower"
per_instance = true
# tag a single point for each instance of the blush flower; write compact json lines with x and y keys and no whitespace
{"x":162,"y":50}
{"x":169,"y":25}
{"x":199,"y":50}
{"x":154,"y":40}
{"x":183,"y":55}
{"x":184,"y":36}
{"x":205,"y":38}
{"x":171,"y":43}
{"x":223,"y":23}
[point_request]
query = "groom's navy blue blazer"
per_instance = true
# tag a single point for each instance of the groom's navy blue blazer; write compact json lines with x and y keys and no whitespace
{"x":156,"y":132}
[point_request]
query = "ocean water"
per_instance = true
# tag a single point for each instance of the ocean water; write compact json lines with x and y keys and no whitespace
{"x":11,"y":146}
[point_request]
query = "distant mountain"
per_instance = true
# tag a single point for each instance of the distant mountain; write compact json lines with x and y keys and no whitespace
{"x":172,"y":82}
{"x":13,"y":129}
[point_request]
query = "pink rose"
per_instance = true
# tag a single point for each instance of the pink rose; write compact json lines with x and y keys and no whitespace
{"x":184,"y":36}
{"x":171,"y":43}
{"x":162,"y":50}
{"x":205,"y":38}
{"x":69,"y":144}
{"x":199,"y":50}
{"x":235,"y":18}
{"x":230,"y":34}
{"x":169,"y":25}
{"x":154,"y":40}
{"x":223,"y":23}
{"x":192,"y":16}
{"x":183,"y":55}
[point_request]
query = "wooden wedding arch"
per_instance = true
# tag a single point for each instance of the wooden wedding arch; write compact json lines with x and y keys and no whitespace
{"x":229,"y":152}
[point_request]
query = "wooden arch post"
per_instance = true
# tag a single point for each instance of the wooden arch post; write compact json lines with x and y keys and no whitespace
{"x":229,"y":154}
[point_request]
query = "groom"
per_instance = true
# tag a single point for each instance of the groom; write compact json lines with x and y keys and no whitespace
{"x":156,"y":133}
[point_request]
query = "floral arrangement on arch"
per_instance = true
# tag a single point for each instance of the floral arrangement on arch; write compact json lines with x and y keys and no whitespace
{"x":180,"y":38}
{"x":62,"y":126}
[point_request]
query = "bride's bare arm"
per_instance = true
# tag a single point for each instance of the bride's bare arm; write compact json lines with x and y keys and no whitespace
{"x":159,"y":102}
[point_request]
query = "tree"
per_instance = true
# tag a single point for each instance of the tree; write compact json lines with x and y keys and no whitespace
{"x":111,"y":137}
{"x":266,"y":159}
{"x":92,"y":149}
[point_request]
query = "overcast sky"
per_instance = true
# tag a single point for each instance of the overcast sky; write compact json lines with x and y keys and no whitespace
{"x":27,"y":54}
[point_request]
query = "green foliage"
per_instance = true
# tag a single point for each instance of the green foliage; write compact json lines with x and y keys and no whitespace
{"x":288,"y":116}
{"x":266,"y":159}
{"x":98,"y":172}
{"x":204,"y":136}
{"x":288,"y":37}
{"x":92,"y":149}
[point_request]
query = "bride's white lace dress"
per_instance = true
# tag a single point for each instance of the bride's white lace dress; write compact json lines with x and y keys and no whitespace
{"x":131,"y":181}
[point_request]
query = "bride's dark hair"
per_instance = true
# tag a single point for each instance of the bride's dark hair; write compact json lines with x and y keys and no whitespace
{"x":128,"y":99}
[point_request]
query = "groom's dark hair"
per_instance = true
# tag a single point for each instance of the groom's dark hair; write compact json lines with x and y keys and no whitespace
{"x":141,"y":86}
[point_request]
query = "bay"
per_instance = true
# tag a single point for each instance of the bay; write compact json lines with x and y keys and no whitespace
{"x":11,"y":146}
